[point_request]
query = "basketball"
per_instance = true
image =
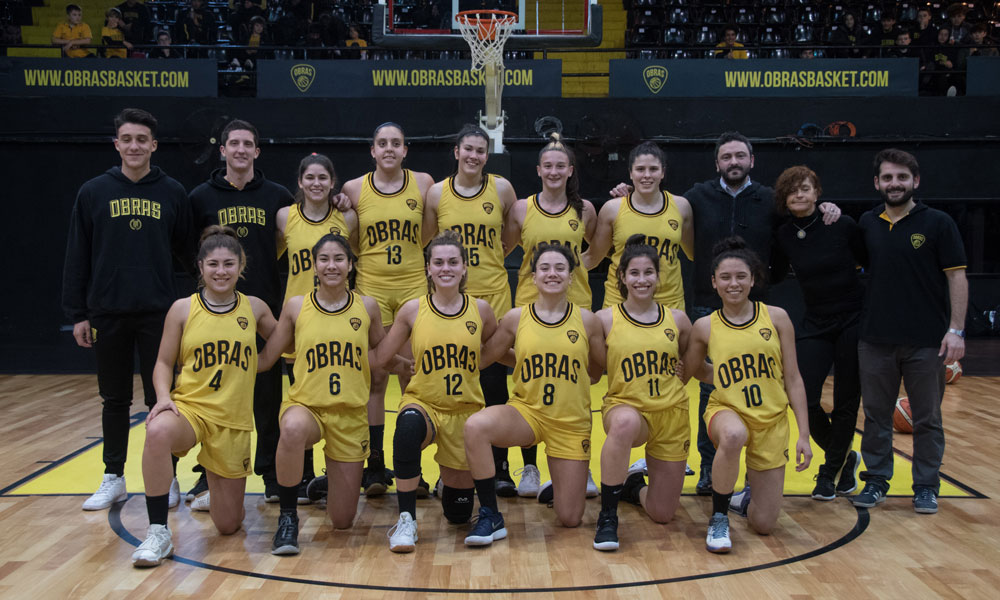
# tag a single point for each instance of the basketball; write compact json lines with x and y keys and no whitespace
{"x":902,"y":419}
{"x":952,"y":372}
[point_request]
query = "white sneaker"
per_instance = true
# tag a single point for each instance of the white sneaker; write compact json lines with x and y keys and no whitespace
{"x":174,"y":497}
{"x":403,"y":535}
{"x":638,"y":466}
{"x":157,"y":546}
{"x":531,"y":480}
{"x":592,"y":490}
{"x":200,"y":502}
{"x":112,"y":490}
{"x":717,"y":539}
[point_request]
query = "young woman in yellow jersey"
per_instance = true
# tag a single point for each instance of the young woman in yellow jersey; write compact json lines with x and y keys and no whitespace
{"x":663,"y":218}
{"x":446,"y":329}
{"x":558,"y":351}
{"x":557,"y":214}
{"x":299,"y":226}
{"x":756,"y":376}
{"x":475,"y":205}
{"x":332,"y":330}
{"x":211,"y":335}
{"x":646,"y":402}
{"x":389,"y":203}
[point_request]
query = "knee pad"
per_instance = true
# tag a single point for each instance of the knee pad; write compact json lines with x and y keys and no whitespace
{"x":457,"y":504}
{"x":493,"y":380}
{"x":411,"y":429}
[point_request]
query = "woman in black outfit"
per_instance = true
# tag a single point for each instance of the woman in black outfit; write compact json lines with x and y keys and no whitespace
{"x":825,"y":261}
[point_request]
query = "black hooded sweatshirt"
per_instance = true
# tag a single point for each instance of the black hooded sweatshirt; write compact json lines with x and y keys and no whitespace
{"x":118,"y":249}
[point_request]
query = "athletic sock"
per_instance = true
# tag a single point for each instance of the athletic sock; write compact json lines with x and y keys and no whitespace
{"x":720,"y":502}
{"x":376,"y":460}
{"x":486,"y":489}
{"x":288,"y":497}
{"x":609,"y":497}
{"x":499,"y":458}
{"x":530,"y":455}
{"x":407,"y":502}
{"x":156,"y":509}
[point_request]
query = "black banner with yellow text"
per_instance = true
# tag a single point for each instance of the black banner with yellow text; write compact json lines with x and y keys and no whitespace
{"x":107,"y":77}
{"x":402,"y":79}
{"x":766,"y":78}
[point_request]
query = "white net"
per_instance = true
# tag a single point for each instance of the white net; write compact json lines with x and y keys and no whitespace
{"x":486,"y":34}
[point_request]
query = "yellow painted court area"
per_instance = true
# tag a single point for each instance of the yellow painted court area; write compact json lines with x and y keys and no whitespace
{"x":77,"y":475}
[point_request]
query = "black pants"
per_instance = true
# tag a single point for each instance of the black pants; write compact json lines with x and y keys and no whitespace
{"x":118,"y":338}
{"x":266,"y":406}
{"x":822,"y":342}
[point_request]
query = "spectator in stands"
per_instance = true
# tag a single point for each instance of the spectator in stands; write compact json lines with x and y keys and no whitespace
{"x":196,"y":25}
{"x":959,"y":28}
{"x":884,"y":37}
{"x":163,"y":46}
{"x":136,"y":22}
{"x":855,"y":35}
{"x":316,"y":44}
{"x":903,"y":47}
{"x":978,"y":45}
{"x":241,"y":12}
{"x":257,"y":37}
{"x":729,"y":47}
{"x":334,"y":31}
{"x":925,"y":33}
{"x":293,"y":24}
{"x":936,"y":78}
{"x":73,"y":34}
{"x":113,"y":36}
{"x":354,"y":39}
{"x":807,"y":53}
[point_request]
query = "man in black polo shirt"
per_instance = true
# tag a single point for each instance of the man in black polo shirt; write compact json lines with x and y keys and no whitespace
{"x":917,"y":279}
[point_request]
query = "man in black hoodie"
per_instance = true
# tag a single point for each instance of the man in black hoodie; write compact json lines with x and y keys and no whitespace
{"x":118,"y":281}
{"x":239,"y":196}
{"x":728,"y":206}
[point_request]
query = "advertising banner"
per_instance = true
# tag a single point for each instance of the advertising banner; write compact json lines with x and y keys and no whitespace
{"x":107,"y":77}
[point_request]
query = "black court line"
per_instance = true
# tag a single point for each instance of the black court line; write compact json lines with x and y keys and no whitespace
{"x":114,"y":519}
{"x":138,"y":418}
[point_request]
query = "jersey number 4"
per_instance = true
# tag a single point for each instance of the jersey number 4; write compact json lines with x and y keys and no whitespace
{"x":216,"y":381}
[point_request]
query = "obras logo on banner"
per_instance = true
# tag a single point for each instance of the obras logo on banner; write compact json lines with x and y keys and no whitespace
{"x":303,"y":76}
{"x":655,"y":77}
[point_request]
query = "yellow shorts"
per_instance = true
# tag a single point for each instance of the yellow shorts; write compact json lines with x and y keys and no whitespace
{"x":767,"y":447}
{"x":560,"y":442}
{"x":669,"y":431}
{"x":345,"y":430}
{"x":449,"y":433}
{"x":391,"y":299}
{"x":224,"y":451}
{"x":498,"y":301}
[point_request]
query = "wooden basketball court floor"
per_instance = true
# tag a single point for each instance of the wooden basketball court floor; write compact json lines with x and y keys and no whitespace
{"x":50,"y":548}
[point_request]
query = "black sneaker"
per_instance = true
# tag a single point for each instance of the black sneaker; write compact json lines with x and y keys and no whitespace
{"x":704,"y":486}
{"x":824,"y":489}
{"x":317,"y":489}
{"x":925,"y":500}
{"x":303,"y":493}
{"x":487,"y":529}
{"x":872,"y":495}
{"x":505,"y":485}
{"x":271,"y":491}
{"x":374,"y":482}
{"x":607,"y":532}
{"x":423,"y":489}
{"x":286,"y":539}
{"x":200,"y":486}
{"x":848,"y":481}
{"x":545,"y":493}
{"x":633,"y":485}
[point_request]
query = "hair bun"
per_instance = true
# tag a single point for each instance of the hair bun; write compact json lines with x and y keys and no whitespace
{"x":636,"y":239}
{"x":734,"y":242}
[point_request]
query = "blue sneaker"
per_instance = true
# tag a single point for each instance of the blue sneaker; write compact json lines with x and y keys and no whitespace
{"x":487,"y":529}
{"x":925,"y":500}
{"x":740,"y":502}
{"x":871,"y":496}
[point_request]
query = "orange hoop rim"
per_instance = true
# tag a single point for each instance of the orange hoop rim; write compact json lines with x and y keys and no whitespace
{"x":486,"y":22}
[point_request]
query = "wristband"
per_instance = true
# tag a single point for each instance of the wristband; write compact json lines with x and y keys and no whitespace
{"x":959,"y":332}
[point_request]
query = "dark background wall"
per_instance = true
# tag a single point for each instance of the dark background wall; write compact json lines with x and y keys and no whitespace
{"x":50,"y":146}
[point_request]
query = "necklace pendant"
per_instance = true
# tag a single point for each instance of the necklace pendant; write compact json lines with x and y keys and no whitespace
{"x":801,"y":234}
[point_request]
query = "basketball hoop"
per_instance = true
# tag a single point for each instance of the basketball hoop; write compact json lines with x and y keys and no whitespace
{"x":486,"y":31}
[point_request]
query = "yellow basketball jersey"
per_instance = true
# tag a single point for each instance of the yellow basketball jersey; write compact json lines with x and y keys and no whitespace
{"x":446,"y":352}
{"x":642,"y":361}
{"x":218,"y":359}
{"x":389,"y":235}
{"x":331,"y":369}
{"x":746,"y":363}
{"x":301,"y":235}
{"x":550,"y":372}
{"x":562,"y":228}
{"x":663,"y":231}
{"x":479,"y":220}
